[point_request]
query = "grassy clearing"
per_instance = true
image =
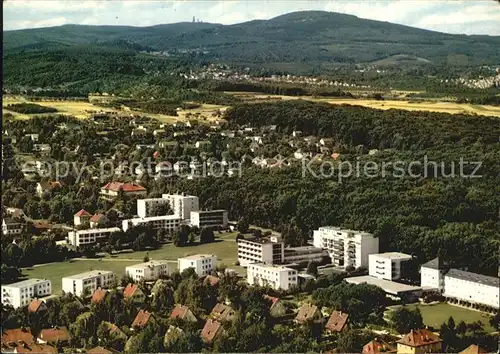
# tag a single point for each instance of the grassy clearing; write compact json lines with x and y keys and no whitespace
{"x":434,"y":315}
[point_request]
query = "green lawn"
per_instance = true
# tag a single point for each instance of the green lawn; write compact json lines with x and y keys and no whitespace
{"x":435,"y":315}
{"x":56,"y":271}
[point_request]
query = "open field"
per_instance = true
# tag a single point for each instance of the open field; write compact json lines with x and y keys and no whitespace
{"x":436,"y":106}
{"x":434,"y":315}
{"x":83,"y":110}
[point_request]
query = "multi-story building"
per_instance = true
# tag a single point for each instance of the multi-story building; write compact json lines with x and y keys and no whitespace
{"x":182,"y":205}
{"x":12,"y":226}
{"x":90,"y":236}
{"x":167,"y":222}
{"x":466,"y":287}
{"x":387,"y":265}
{"x":88,"y":282}
{"x":21,"y":293}
{"x":275,"y":276}
{"x":148,"y":271}
{"x":347,"y":248}
{"x":419,"y":341}
{"x":203,"y":264}
{"x":209,"y":218}
{"x":304,"y":254}
{"x":260,"y":250}
{"x":145,"y":207}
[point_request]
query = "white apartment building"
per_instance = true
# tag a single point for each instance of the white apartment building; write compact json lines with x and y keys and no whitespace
{"x":387,"y":265}
{"x":203,"y":264}
{"x":277,"y":277}
{"x":260,"y":250}
{"x":147,"y":271}
{"x":209,"y":218}
{"x":167,"y":222}
{"x":303,"y":254}
{"x":461,"y":285}
{"x":90,"y":236}
{"x":21,"y":293}
{"x":145,"y":206}
{"x":346,"y":247}
{"x":182,"y":205}
{"x":77,"y":284}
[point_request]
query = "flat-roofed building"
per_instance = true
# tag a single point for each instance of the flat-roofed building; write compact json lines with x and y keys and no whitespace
{"x":209,"y":218}
{"x":203,"y":264}
{"x":182,"y":205}
{"x":145,"y":207}
{"x":21,"y":293}
{"x":90,"y":236}
{"x":304,"y":254}
{"x":275,"y":276}
{"x":167,"y":222}
{"x":387,"y":265}
{"x":148,"y":271}
{"x":88,"y":282}
{"x":269,"y":250}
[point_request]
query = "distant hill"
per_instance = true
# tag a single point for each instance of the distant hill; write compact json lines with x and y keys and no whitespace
{"x":307,"y":37}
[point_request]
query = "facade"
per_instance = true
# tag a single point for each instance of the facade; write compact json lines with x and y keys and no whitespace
{"x":21,"y":293}
{"x":148,"y":271}
{"x":203,"y":264}
{"x":419,"y":341}
{"x":347,"y":248}
{"x":260,"y":250}
{"x":145,"y":206}
{"x":90,"y":236}
{"x":303,"y":254}
{"x":98,"y":220}
{"x":209,"y":218}
{"x":113,"y":189}
{"x":182,"y":205}
{"x":88,"y":281}
{"x":387,"y":265}
{"x":431,"y":275}
{"x":277,"y":277}
{"x":12,"y":227}
{"x":167,"y":222}
{"x":81,"y":218}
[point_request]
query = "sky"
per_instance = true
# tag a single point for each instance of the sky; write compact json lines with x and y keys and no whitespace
{"x":452,"y":16}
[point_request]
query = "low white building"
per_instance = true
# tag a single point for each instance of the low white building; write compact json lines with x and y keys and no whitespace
{"x":260,"y":250}
{"x":21,"y":293}
{"x":88,"y":281}
{"x":167,"y":222}
{"x":148,"y":271}
{"x":90,"y":236}
{"x":203,"y":264}
{"x":346,"y":247}
{"x":209,"y":218}
{"x":275,"y":276}
{"x":387,"y":265}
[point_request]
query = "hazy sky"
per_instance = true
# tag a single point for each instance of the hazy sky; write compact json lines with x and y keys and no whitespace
{"x":470,"y":17}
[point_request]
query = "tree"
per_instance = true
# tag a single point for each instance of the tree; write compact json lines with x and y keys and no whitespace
{"x":146,"y":257}
{"x":350,"y":342}
{"x":207,"y":235}
{"x":181,"y":236}
{"x":312,"y":268}
{"x":404,"y":319}
{"x":243,"y":225}
{"x":161,"y":209}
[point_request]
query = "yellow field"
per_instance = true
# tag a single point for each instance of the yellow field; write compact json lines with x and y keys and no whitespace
{"x":445,"y":107}
{"x":83,"y":110}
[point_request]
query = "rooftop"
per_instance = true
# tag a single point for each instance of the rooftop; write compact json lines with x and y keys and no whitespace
{"x":419,"y":337}
{"x":25,"y":283}
{"x":261,"y":240}
{"x":275,"y":267}
{"x":91,"y":231}
{"x":338,"y":228}
{"x":156,"y":218}
{"x":195,"y":257}
{"x":388,"y":286}
{"x":473,"y":277}
{"x":151,"y":263}
{"x":91,"y":274}
{"x":393,"y":255}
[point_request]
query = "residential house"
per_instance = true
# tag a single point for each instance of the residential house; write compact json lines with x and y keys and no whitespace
{"x":211,"y":330}
{"x":337,"y":322}
{"x":37,"y":306}
{"x":473,"y":349}
{"x":182,"y":312}
{"x":142,"y":319}
{"x":98,"y":296}
{"x":35,"y":348}
{"x":12,"y":226}
{"x":134,"y":293}
{"x":212,"y":280}
{"x":47,"y":186}
{"x":113,"y":189}
{"x":12,"y":338}
{"x":98,"y":220}
{"x":222,"y":313}
{"x":378,"y":346}
{"x":42,"y":148}
{"x":101,"y":350}
{"x":277,"y":308}
{"x":54,"y":336}
{"x":308,"y":312}
{"x":419,"y":341}
{"x":82,"y":217}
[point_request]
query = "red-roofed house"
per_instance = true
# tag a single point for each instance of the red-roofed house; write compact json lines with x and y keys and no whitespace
{"x":98,"y":220}
{"x":308,"y":312}
{"x":419,"y":341}
{"x":113,"y":189}
{"x":47,"y":186}
{"x":54,"y":335}
{"x":37,"y":305}
{"x":142,"y":319}
{"x":36,"y":348}
{"x":134,"y":293}
{"x":183,"y":313}
{"x":211,"y":330}
{"x":212,"y":280}
{"x":473,"y":349}
{"x":81,"y":218}
{"x":222,"y":312}
{"x":377,"y":346}
{"x":11,"y":338}
{"x":277,"y":308}
{"x":337,"y":322}
{"x":98,"y":296}
{"x":101,"y":350}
